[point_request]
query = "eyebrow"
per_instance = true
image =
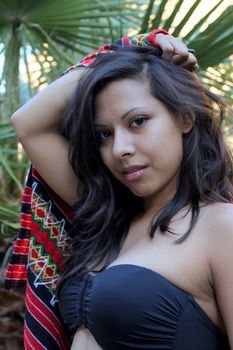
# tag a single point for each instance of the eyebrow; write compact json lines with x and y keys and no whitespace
{"x":131,"y":110}
{"x":125,"y":114}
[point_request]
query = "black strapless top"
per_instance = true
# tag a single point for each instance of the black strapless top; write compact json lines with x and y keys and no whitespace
{"x":129,"y":307}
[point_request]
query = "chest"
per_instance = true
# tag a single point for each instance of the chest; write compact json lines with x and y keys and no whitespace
{"x":185,"y":264}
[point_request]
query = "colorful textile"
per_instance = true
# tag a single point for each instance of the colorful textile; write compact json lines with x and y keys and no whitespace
{"x":16,"y":273}
{"x":148,"y":39}
{"x":37,"y":260}
{"x":138,"y":40}
{"x":44,"y":218}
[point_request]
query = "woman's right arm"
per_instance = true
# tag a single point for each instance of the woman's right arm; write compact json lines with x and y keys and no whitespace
{"x":37,"y":127}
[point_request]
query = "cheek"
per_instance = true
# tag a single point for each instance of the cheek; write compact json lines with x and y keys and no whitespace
{"x":166,"y":151}
{"x":176,"y":154}
{"x":106,"y":158}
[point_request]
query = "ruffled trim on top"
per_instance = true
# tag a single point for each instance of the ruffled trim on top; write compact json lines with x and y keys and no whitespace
{"x":74,"y":298}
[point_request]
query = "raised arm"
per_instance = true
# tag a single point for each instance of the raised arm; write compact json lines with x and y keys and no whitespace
{"x":37,"y":128}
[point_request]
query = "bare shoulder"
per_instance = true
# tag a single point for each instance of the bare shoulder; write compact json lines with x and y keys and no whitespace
{"x":219,"y":233}
{"x":217,"y":225}
{"x":218,"y":217}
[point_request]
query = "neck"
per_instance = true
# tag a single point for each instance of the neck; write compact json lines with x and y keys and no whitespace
{"x":153,"y":204}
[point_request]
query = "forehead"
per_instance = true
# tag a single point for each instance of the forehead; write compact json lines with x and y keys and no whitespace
{"x":119,"y":96}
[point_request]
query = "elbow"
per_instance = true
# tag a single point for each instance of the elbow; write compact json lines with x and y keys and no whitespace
{"x":14,"y":119}
{"x":18,"y":126}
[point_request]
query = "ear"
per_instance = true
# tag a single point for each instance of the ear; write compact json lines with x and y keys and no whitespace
{"x":187,"y":124}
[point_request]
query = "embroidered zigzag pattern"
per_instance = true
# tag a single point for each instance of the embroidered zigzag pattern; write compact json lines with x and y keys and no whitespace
{"x":47,"y":244}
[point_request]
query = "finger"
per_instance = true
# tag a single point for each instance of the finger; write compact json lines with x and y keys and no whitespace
{"x":196,"y":68}
{"x":180,"y":57}
{"x":167,"y":48}
{"x":191,"y":61}
{"x":179,"y":47}
{"x":172,"y":47}
{"x":168,"y":52}
{"x":193,"y":69}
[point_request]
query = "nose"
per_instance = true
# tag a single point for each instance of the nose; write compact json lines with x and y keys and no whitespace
{"x":123,"y":145}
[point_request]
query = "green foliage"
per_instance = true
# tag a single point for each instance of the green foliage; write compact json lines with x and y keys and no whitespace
{"x":39,"y":39}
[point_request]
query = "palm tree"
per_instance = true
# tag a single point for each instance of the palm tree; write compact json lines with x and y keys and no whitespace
{"x":40,"y":38}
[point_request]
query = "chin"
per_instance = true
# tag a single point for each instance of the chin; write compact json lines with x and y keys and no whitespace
{"x":142,"y":193}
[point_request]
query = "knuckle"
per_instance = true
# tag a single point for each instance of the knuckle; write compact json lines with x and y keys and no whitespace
{"x":168,"y":50}
{"x":184,"y":54}
{"x":192,"y":60}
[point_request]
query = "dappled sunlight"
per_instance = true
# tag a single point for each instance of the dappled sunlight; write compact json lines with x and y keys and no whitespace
{"x":20,"y":151}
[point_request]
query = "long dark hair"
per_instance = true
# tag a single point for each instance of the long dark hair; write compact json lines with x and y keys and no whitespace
{"x":105,"y":207}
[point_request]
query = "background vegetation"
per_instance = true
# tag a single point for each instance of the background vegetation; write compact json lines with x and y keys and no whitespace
{"x":39,"y":39}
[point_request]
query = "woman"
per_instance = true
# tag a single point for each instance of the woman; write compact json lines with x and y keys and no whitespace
{"x":154,"y":163}
{"x":146,"y":144}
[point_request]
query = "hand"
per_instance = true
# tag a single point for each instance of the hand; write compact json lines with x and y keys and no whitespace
{"x":175,"y":51}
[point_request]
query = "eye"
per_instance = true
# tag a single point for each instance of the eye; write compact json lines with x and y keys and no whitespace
{"x":102,"y":135}
{"x":138,"y":121}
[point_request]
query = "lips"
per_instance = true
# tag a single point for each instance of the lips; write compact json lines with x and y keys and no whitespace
{"x":134,"y":172}
{"x":132,"y":169}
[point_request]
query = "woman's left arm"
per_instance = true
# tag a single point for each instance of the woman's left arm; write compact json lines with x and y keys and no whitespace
{"x":84,"y":340}
{"x":222,"y":265}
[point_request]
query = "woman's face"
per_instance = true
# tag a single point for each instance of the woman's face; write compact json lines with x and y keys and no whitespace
{"x":140,"y":141}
